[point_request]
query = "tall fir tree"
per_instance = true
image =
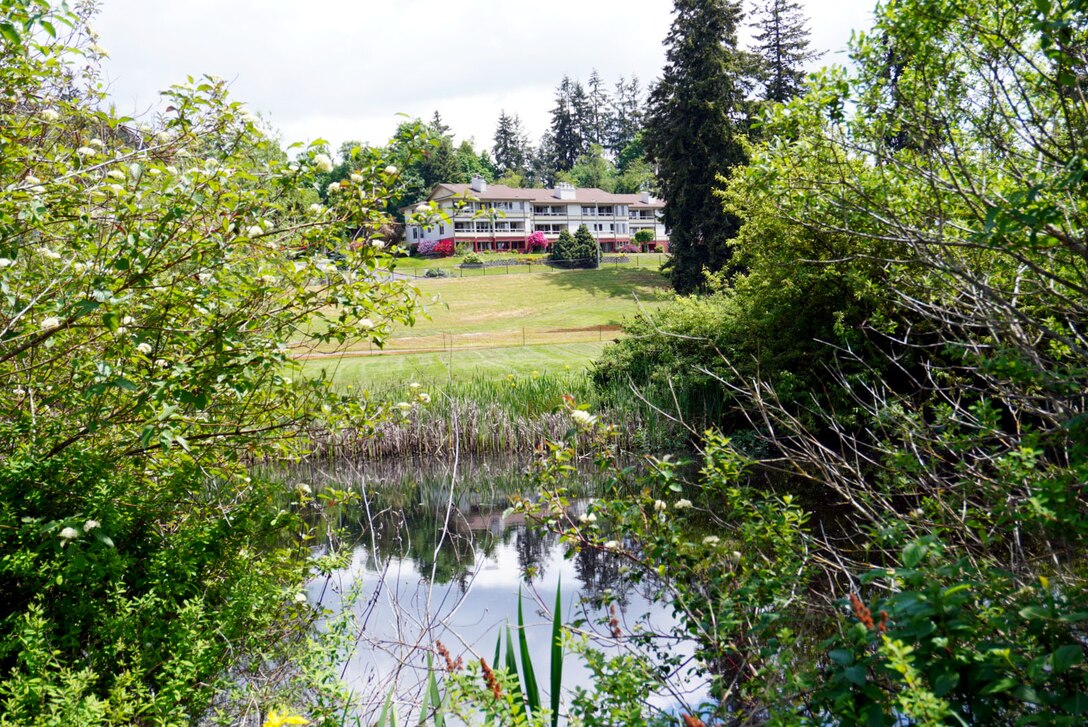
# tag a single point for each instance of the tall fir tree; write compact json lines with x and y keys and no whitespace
{"x":568,"y":119}
{"x":692,"y":135}
{"x":599,"y":103}
{"x":511,"y":150}
{"x":625,"y":119}
{"x":781,"y":48}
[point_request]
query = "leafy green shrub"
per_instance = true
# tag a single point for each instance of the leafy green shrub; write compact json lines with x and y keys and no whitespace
{"x":154,"y":282}
{"x":472,"y":259}
{"x":579,"y":250}
{"x":643,"y":236}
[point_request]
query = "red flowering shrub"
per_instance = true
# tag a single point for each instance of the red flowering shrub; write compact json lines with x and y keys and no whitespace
{"x":441,"y":248}
{"x":537,"y":241}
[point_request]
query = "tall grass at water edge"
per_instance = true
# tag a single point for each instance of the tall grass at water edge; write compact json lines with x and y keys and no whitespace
{"x":488,"y":415}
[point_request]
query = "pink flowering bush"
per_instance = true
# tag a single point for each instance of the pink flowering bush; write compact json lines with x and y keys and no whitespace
{"x":537,"y":241}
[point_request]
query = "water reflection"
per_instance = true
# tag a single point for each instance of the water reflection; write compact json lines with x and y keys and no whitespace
{"x":436,"y":558}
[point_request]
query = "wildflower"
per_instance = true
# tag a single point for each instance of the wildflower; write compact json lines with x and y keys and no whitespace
{"x":582,"y":417}
{"x":316,"y":208}
{"x":589,"y":517}
{"x":682,"y":504}
{"x":161,"y":363}
{"x":144,"y":348}
{"x":414,"y":385}
{"x":357,"y":178}
{"x":391,"y":170}
{"x":254,"y":231}
{"x":659,"y":506}
{"x":86,"y":151}
{"x":50,"y":323}
{"x":49,"y":116}
{"x":333,"y":187}
{"x":90,"y":525}
{"x":275,"y":719}
{"x":304,"y":488}
{"x":323,"y":163}
{"x":424,"y":397}
{"x":68,"y":534}
{"x":711,"y":540}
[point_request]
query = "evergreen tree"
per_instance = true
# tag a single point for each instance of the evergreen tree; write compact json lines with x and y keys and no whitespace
{"x":625,"y":119}
{"x":566,"y":127}
{"x":691,"y":135}
{"x":543,"y":166}
{"x":782,"y":49}
{"x":586,"y":249}
{"x":596,"y":130}
{"x":511,"y":149}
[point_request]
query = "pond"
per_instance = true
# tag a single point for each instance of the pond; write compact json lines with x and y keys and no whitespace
{"x":435,"y":558}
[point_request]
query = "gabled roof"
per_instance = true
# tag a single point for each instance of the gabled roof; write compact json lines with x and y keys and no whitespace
{"x":537,"y":195}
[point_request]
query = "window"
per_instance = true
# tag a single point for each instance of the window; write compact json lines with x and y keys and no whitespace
{"x":605,"y":211}
{"x":462,"y":227}
{"x":589,"y":211}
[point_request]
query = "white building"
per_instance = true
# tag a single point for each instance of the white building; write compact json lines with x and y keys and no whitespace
{"x":492,"y":217}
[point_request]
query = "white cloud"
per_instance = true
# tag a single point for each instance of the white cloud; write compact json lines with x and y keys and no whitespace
{"x":344,"y":69}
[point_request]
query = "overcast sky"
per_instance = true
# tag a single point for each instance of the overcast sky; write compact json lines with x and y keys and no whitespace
{"x":344,"y":69}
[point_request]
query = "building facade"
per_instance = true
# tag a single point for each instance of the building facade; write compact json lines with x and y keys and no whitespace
{"x":491,"y":217}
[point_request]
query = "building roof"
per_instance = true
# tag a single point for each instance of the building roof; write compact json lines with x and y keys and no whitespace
{"x":502,"y":193}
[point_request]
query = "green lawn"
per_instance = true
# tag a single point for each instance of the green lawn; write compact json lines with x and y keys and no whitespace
{"x":380,"y":371}
{"x":418,"y":265}
{"x":502,"y":324}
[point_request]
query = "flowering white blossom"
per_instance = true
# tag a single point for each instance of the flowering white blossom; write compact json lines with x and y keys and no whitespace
{"x":69,"y":533}
{"x":682,"y":504}
{"x":377,"y":244}
{"x":333,"y":187}
{"x":49,"y":116}
{"x":366,"y":324}
{"x":391,"y":170}
{"x":96,"y":143}
{"x":582,"y":417}
{"x":304,"y":488}
{"x":50,"y":254}
{"x":424,"y":397}
{"x":659,"y":506}
{"x":115,"y":174}
{"x":211,"y":163}
{"x":85,"y":151}
{"x":90,"y":525}
{"x":154,"y":172}
{"x":31,"y":179}
{"x":357,"y":178}
{"x":6,"y":261}
{"x":144,"y":348}
{"x":254,"y":231}
{"x":403,"y":407}
{"x":115,"y":189}
{"x":50,"y":323}
{"x":612,"y":545}
{"x":163,"y":137}
{"x":415,"y":385}
{"x":161,"y":363}
{"x":128,"y":321}
{"x":317,"y":209}
{"x":711,"y":540}
{"x":589,"y":517}
{"x":322,"y":163}
{"x":300,"y":597}
{"x":38,"y":189}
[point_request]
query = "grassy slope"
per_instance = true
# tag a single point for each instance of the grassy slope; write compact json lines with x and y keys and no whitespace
{"x":562,"y":317}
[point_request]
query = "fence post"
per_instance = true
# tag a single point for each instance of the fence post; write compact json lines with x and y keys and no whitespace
{"x":523,"y":336}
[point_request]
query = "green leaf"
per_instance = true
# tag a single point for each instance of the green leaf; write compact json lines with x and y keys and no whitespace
{"x":10,"y":34}
{"x":1066,"y":657}
{"x":532,"y":692}
{"x":945,"y":682}
{"x":841,"y":657}
{"x":855,"y":674}
{"x":913,"y":554}
{"x":557,"y":654}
